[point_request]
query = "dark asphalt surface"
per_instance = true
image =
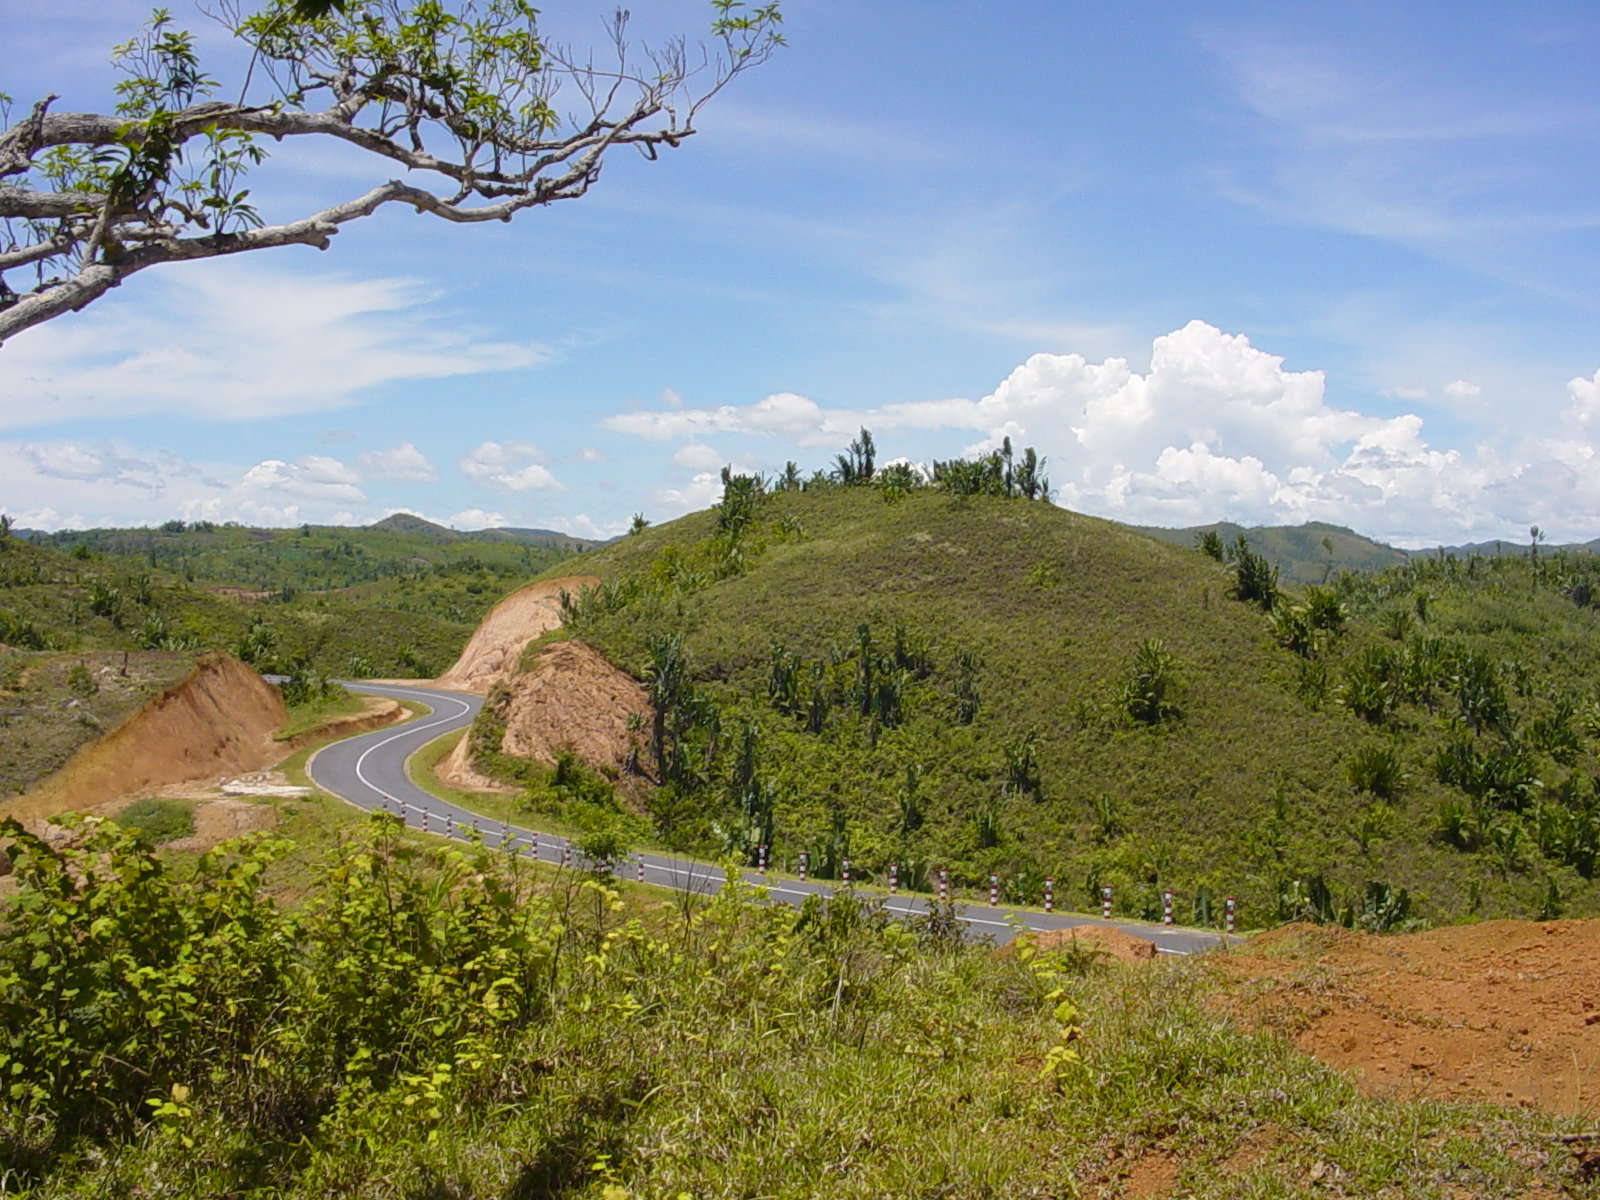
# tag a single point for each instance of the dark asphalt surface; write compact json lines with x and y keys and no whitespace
{"x":369,"y":771}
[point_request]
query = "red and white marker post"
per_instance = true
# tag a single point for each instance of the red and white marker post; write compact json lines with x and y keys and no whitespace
{"x":566,"y":854}
{"x":944,"y":885}
{"x":845,"y":877}
{"x":1049,"y":894}
{"x":1105,"y":902}
{"x":894,"y":878}
{"x":761,"y":858}
{"x":424,"y":818}
{"x":1166,"y":906}
{"x":994,"y":889}
{"x":1230,"y":914}
{"x":639,"y":871}
{"x":802,"y":866}
{"x":533,"y":846}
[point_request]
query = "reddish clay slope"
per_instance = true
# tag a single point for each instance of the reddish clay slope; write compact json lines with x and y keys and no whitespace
{"x":522,"y":616}
{"x":217,"y":720}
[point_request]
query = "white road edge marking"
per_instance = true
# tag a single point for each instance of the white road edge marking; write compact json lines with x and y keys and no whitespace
{"x":694,"y":882}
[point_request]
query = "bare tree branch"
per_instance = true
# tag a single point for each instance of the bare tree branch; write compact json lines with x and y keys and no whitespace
{"x":464,"y":93}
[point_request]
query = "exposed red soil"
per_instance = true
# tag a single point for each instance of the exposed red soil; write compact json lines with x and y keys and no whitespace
{"x":493,"y":650}
{"x":1107,"y":942}
{"x":217,"y":720}
{"x":218,"y":820}
{"x":1504,"y":1011}
{"x":570,"y":698}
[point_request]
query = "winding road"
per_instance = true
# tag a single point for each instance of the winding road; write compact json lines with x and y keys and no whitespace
{"x":369,"y":771}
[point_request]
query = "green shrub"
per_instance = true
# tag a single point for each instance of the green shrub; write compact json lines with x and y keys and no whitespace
{"x":1375,"y":769}
{"x":1147,"y":696}
{"x":1255,"y":580}
{"x":158,"y":820}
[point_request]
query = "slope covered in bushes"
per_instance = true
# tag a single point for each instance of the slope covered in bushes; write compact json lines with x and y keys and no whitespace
{"x":936,"y":678}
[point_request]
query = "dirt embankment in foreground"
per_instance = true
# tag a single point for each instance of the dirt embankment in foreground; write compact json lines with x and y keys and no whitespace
{"x":493,"y":650}
{"x":216,"y":720}
{"x":571,"y":699}
{"x":1504,"y":1011}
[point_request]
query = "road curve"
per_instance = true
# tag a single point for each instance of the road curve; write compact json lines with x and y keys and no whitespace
{"x":369,"y":771}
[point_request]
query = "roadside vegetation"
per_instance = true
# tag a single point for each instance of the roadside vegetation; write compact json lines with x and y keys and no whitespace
{"x":429,"y":1020}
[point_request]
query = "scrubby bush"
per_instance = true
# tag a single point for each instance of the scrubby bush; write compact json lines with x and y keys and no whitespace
{"x":1375,"y":769}
{"x":1148,"y":695}
{"x":157,"y":820}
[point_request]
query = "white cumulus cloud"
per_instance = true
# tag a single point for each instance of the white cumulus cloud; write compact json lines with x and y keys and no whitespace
{"x":473,"y":519}
{"x":511,"y":467}
{"x":1215,"y":429}
{"x":403,"y":462}
{"x":697,"y":456}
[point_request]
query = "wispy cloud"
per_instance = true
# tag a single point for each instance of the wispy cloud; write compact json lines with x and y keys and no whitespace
{"x":226,"y":340}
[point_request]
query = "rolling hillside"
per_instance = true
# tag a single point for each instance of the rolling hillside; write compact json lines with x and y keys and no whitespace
{"x":317,"y":557}
{"x":993,"y":685}
{"x":413,"y":625}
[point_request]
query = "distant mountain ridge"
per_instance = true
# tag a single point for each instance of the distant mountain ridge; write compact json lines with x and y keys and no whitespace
{"x":1317,"y":550}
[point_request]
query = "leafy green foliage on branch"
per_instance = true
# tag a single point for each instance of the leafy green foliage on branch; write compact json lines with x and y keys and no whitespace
{"x":465,"y":96}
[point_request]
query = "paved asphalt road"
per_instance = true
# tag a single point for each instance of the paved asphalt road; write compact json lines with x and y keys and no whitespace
{"x":369,"y":771}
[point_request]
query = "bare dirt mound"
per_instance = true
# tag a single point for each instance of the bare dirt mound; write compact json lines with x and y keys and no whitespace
{"x":217,"y":720}
{"x":571,"y":699}
{"x":1505,"y":1011}
{"x":522,"y":616}
{"x":1104,"y":941}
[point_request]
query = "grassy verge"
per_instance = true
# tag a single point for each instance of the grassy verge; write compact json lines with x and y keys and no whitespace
{"x":308,"y":716}
{"x":422,"y":769}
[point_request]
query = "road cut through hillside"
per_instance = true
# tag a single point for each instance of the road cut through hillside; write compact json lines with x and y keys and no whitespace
{"x":492,"y":651}
{"x":216,"y":720}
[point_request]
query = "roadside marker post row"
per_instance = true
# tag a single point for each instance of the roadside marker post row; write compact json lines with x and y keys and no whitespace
{"x":508,"y":841}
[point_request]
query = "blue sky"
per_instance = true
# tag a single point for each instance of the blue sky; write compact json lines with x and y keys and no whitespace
{"x":1269,"y":263}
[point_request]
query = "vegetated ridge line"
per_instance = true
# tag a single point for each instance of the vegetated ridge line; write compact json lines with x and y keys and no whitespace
{"x":368,"y":770}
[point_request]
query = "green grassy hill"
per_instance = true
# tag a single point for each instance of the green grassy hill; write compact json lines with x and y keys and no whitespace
{"x":994,"y":685}
{"x":413,"y":625}
{"x":318,"y":557}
